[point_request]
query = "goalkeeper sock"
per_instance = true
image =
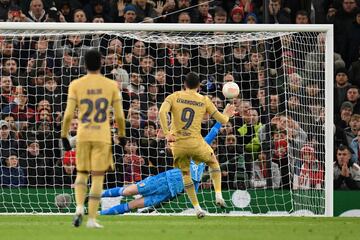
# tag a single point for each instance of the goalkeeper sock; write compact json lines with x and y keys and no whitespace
{"x":118,"y":209}
{"x":95,"y":195}
{"x":80,"y":191}
{"x":215,"y":175}
{"x":113,"y":192}
{"x":190,"y":190}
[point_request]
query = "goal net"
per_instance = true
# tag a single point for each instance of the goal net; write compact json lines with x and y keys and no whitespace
{"x":272,"y":153}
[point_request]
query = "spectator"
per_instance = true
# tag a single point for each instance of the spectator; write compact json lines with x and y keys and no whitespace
{"x":228,"y":155}
{"x":66,"y":8}
{"x":203,"y":15}
{"x":132,"y":162}
{"x":148,"y":147}
{"x":98,"y":9}
{"x":98,"y":19}
{"x":129,"y":14}
{"x":346,"y":174}
{"x":354,"y":71}
{"x":341,"y":86}
{"x":37,"y":12}
{"x":7,"y":144}
{"x":184,"y":17}
{"x":248,"y":137}
{"x":65,"y":172}
{"x":19,"y":107}
{"x":151,"y":97}
{"x":220,"y":15}
{"x":302,"y":17}
{"x":175,"y":75}
{"x":314,"y":68}
{"x":11,"y":175}
{"x":352,"y":130}
{"x":4,"y":9}
{"x":6,"y":91}
{"x":353,"y":96}
{"x":310,"y":175}
{"x":144,"y":9}
{"x":251,"y":18}
{"x":79,"y":16}
{"x":237,"y":15}
{"x":34,"y":164}
{"x":280,"y":155}
{"x":261,"y":173}
{"x":342,"y":24}
{"x":353,"y":40}
{"x":135,"y":87}
{"x":355,"y":147}
{"x":346,"y":111}
{"x":278,"y":14}
{"x":133,"y":124}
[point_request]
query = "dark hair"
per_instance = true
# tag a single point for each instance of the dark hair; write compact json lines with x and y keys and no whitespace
{"x":343,"y":147}
{"x":192,"y":80}
{"x":93,"y":60}
{"x":219,"y":11}
{"x":302,"y":13}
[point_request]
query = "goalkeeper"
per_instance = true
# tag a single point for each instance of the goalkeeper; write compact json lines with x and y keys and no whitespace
{"x":159,"y":188}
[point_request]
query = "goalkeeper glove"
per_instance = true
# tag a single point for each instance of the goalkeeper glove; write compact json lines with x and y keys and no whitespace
{"x":66,"y":144}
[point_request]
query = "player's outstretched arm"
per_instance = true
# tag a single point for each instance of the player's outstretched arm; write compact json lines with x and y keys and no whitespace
{"x":214,"y":112}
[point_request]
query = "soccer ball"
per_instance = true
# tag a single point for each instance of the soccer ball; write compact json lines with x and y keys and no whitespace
{"x":63,"y":200}
{"x":230,"y":90}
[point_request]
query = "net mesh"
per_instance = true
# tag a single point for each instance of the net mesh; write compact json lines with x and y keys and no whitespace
{"x":271,"y":154}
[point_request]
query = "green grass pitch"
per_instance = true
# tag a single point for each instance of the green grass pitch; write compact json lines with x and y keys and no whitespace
{"x":180,"y":227}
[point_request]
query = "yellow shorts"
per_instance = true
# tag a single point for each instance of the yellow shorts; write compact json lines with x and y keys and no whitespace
{"x":195,"y":149}
{"x":94,"y":156}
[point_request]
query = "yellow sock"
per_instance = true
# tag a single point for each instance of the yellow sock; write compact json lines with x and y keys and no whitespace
{"x":81,"y":189}
{"x":190,"y":189}
{"x":215,"y":175}
{"x":95,"y":195}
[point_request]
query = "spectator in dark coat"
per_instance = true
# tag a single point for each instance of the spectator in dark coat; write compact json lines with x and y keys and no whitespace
{"x":353,"y":40}
{"x":342,"y":23}
{"x":11,"y":174}
{"x":346,"y":175}
{"x":278,"y":14}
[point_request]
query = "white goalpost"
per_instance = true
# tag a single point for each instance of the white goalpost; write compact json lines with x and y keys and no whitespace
{"x":276,"y":155}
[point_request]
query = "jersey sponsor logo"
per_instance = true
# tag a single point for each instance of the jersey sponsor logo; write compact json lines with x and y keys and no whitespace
{"x":190,"y":102}
{"x":141,"y":184}
{"x":94,"y":91}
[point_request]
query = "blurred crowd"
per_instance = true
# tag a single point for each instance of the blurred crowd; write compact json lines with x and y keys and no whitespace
{"x":275,"y":141}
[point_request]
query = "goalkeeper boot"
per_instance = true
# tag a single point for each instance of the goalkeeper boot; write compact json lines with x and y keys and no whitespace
{"x":91,"y":223}
{"x":77,"y":220}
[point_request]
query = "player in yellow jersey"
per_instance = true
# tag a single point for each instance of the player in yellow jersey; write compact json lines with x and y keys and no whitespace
{"x":93,"y":95}
{"x":188,"y":108}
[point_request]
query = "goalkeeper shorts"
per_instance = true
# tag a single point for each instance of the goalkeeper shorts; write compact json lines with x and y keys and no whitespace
{"x":154,"y":189}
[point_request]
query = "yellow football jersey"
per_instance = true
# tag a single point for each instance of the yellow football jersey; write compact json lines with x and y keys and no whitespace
{"x":93,"y":95}
{"x":187,"y":112}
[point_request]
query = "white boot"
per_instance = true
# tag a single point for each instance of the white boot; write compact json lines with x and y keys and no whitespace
{"x":91,"y":223}
{"x":199,"y":212}
{"x":219,"y":200}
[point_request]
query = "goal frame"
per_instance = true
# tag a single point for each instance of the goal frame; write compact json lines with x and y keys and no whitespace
{"x":324,"y":28}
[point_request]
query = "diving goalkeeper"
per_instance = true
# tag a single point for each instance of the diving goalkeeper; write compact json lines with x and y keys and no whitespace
{"x":159,"y":188}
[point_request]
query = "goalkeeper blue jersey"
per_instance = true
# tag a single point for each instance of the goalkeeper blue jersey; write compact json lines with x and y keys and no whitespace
{"x":174,"y":176}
